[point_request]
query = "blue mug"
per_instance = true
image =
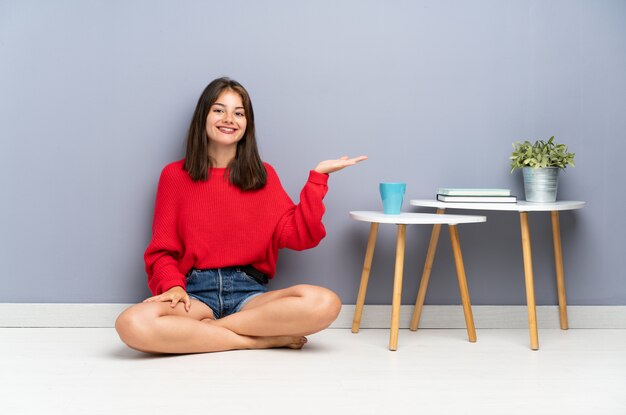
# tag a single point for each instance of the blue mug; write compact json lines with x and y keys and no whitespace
{"x":392,"y":195}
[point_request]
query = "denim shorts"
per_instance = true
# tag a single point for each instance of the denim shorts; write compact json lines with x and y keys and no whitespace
{"x":224,"y":290}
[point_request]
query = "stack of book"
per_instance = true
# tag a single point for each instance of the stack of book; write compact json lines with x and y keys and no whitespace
{"x":458,"y":195}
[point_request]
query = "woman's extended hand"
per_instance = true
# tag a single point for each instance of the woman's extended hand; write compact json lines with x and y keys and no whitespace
{"x":331,"y":166}
{"x":175,"y":295}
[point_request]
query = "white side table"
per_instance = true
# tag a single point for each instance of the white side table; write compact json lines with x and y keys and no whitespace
{"x":523,"y":208}
{"x":401,"y":220}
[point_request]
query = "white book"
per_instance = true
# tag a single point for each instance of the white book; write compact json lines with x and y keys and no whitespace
{"x":477,"y":199}
{"x":453,"y":191}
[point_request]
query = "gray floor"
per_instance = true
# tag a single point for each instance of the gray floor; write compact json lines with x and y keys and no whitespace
{"x":89,"y":371}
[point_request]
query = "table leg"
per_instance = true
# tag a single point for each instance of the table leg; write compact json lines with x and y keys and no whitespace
{"x":397,"y":288}
{"x":365,"y":275}
{"x":558,"y":260}
{"x":460,"y":272}
{"x":428,"y":265}
{"x":530,"y":285}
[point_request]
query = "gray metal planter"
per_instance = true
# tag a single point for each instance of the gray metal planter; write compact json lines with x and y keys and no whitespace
{"x":541,"y":184}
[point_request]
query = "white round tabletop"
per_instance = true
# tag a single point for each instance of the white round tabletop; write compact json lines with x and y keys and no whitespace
{"x":411,"y":218}
{"x":521,"y":206}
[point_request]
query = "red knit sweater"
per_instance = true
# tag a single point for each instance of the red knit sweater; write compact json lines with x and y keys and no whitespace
{"x":214,"y":224}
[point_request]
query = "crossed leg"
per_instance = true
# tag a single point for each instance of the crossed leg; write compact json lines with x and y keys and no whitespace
{"x":295,"y":311}
{"x":275,"y":319}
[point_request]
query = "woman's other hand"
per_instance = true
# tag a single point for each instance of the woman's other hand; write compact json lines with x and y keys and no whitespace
{"x":175,"y":295}
{"x":331,"y":166}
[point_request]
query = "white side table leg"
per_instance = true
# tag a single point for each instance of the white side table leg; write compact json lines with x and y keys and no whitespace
{"x":530,"y":284}
{"x":397,"y":288}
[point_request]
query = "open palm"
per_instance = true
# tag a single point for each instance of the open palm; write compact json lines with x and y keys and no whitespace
{"x":331,"y":166}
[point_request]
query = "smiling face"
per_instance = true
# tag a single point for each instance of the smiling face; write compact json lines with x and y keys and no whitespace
{"x":226,"y":122}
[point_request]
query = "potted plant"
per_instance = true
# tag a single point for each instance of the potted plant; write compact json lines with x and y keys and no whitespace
{"x":540,"y":163}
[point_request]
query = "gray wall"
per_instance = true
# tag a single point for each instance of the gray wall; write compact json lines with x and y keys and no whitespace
{"x":96,"y":96}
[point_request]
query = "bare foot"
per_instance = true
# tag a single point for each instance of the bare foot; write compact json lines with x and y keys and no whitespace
{"x":265,"y":342}
{"x":292,"y":342}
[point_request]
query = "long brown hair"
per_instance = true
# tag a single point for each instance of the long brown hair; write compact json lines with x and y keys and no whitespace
{"x":246,"y":170}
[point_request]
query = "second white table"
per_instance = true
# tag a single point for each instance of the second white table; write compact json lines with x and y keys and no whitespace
{"x":523,"y":208}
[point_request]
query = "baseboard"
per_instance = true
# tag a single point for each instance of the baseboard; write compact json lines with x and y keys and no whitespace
{"x":374,"y":316}
{"x":489,"y":317}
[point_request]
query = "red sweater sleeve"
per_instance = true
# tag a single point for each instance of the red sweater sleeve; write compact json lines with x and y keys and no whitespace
{"x":163,"y":253}
{"x":301,"y":226}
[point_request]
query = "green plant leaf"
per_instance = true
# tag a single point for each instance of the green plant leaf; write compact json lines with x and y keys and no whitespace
{"x":540,"y":154}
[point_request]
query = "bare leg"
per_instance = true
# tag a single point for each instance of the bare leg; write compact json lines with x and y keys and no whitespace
{"x":159,"y":328}
{"x":295,"y":311}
